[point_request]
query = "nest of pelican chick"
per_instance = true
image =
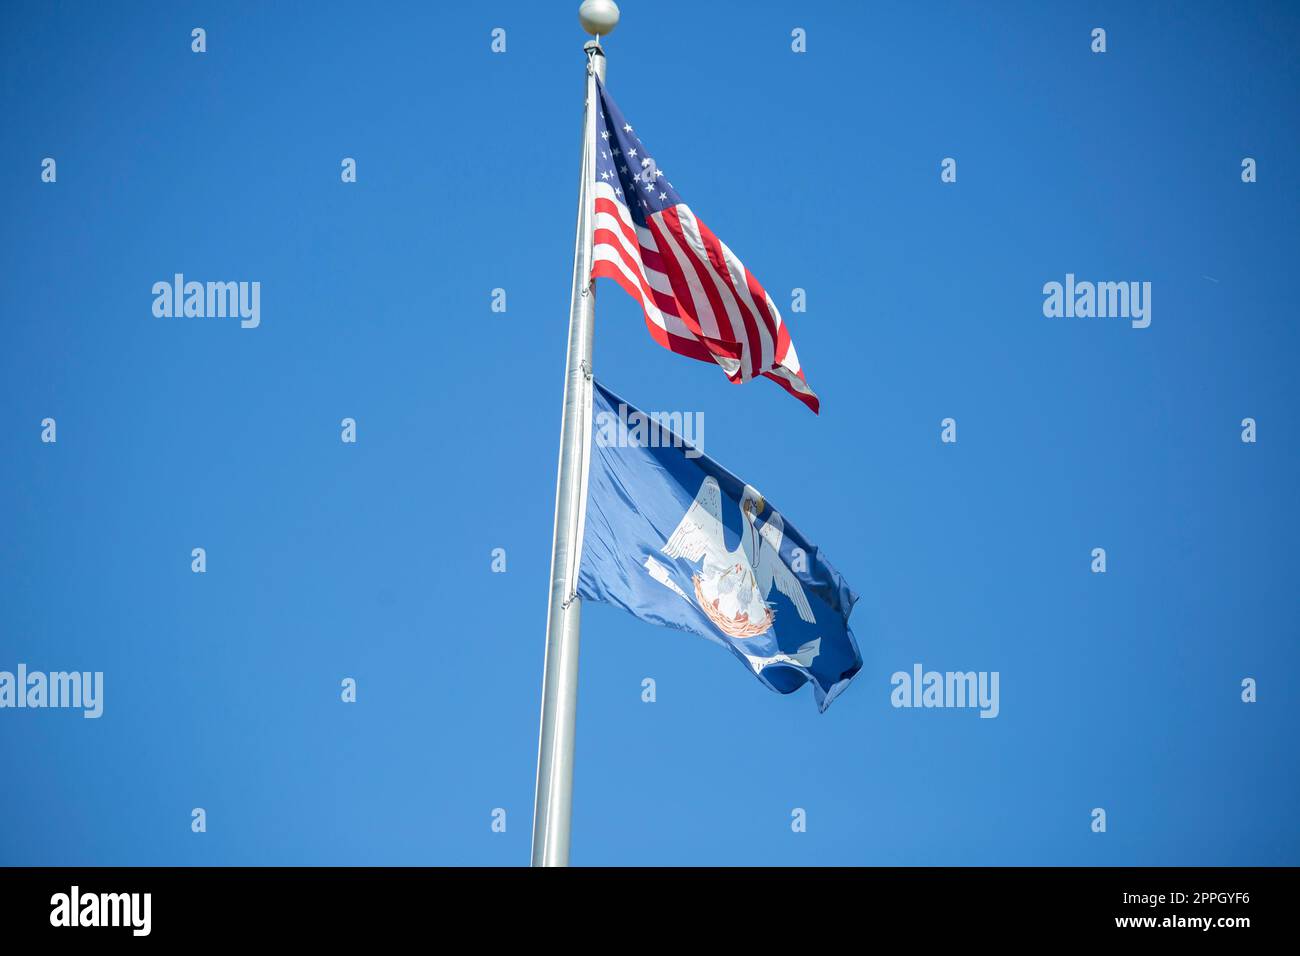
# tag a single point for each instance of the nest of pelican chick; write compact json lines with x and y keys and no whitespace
{"x":728,"y":625}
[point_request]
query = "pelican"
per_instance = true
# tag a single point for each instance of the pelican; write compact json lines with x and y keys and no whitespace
{"x":733,"y":586}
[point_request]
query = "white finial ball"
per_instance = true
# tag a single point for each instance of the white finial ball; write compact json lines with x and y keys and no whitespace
{"x":598,"y":16}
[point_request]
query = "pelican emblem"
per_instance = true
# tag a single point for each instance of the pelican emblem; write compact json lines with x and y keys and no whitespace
{"x":732,"y":587}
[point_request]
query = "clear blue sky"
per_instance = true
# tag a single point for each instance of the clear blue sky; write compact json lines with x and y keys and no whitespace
{"x":372,"y":560}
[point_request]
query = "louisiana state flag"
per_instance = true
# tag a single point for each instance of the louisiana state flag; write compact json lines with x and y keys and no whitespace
{"x":676,"y":539}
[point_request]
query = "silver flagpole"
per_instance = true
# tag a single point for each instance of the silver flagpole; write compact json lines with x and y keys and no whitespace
{"x":554,"y":799}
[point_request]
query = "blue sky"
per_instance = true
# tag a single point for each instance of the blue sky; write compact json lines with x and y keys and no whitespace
{"x":373,"y":561}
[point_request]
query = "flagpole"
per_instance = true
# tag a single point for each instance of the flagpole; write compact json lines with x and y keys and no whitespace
{"x":554,"y":797}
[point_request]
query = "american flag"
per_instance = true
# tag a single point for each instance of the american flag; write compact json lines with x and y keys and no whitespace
{"x":698,"y":297}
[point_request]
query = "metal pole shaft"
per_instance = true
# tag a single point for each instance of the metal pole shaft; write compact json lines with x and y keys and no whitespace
{"x":554,"y":798}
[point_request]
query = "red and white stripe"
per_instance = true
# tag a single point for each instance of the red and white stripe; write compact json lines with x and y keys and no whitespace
{"x":699,"y":299}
